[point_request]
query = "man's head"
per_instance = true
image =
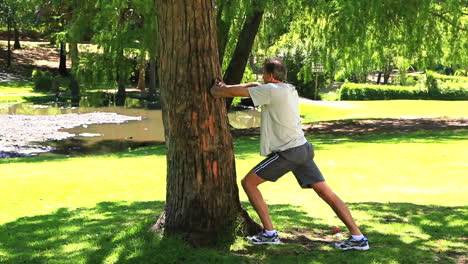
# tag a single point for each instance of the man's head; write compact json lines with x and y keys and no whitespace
{"x":274,"y":70}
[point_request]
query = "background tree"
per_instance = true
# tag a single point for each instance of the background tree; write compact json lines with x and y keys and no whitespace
{"x":358,"y":37}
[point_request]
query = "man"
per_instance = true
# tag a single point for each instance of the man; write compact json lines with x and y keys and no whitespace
{"x":282,"y":141}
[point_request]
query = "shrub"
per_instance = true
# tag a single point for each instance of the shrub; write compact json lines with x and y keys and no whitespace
{"x":43,"y":81}
{"x":452,"y":91}
{"x":340,"y":76}
{"x":446,"y":91}
{"x":431,"y":84}
{"x":448,"y":78}
{"x":353,"y":91}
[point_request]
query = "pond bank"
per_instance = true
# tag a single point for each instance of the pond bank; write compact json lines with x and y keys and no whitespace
{"x":18,"y":132}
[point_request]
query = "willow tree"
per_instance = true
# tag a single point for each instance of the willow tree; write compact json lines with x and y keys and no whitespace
{"x":239,"y":23}
{"x":361,"y":36}
{"x":202,"y":202}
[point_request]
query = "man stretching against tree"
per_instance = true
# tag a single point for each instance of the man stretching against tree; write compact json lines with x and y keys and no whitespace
{"x":282,"y":141}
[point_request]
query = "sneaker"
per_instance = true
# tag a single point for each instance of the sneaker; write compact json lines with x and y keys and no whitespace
{"x":262,"y":239}
{"x":351,"y":243}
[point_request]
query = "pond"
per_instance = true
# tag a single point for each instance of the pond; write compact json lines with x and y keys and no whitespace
{"x":108,"y":138}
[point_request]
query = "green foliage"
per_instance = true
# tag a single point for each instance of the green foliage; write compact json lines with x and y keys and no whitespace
{"x":359,"y":36}
{"x":249,"y":75}
{"x":447,"y":91}
{"x":431,"y":83}
{"x":340,"y":76}
{"x":446,"y":86}
{"x":354,"y":91}
{"x":448,"y":78}
{"x":43,"y":81}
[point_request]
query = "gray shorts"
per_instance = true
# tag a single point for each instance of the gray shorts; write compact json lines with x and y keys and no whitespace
{"x":299,"y":160}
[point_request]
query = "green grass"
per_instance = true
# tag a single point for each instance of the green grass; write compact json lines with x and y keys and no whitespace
{"x":16,"y":92}
{"x":407,"y":191}
{"x":338,"y":110}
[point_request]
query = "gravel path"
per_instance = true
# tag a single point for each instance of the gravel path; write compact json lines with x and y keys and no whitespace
{"x":18,"y":131}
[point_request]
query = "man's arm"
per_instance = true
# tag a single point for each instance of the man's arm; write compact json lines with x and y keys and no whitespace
{"x":221,"y":89}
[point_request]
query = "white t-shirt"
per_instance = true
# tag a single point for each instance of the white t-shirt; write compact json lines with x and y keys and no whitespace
{"x":281,"y":125}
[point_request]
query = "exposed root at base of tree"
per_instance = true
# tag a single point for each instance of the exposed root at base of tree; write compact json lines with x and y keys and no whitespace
{"x":372,"y":125}
{"x":246,"y":226}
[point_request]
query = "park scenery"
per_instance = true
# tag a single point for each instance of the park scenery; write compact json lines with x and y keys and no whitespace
{"x":117,"y":144}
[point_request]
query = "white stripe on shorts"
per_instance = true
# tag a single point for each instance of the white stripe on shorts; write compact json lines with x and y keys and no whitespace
{"x":266,"y":163}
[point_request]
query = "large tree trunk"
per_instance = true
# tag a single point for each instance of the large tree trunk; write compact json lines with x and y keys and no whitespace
{"x":74,"y":85}
{"x":17,"y":44}
{"x":236,"y":68}
{"x":202,"y":201}
{"x":63,"y":60}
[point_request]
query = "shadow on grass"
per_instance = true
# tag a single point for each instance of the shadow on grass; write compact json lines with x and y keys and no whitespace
{"x":117,"y":232}
{"x":246,"y":146}
{"x":15,"y":85}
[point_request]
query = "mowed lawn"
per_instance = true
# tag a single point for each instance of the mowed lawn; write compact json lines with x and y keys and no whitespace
{"x":408,"y":192}
{"x":336,"y":110}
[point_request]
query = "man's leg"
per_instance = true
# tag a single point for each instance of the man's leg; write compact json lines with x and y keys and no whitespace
{"x":250,"y":184}
{"x":340,"y":208}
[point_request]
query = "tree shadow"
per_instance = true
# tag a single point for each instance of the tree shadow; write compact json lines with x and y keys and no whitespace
{"x":246,"y":146}
{"x":423,"y":234}
{"x":117,"y":232}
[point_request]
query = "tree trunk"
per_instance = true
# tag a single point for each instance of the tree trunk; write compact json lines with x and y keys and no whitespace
{"x":236,"y":68}
{"x":152,"y":77}
{"x":63,"y":60}
{"x":202,"y":201}
{"x":9,"y":43}
{"x":74,"y":85}
{"x":141,"y":85}
{"x":17,"y":44}
{"x":121,"y":81}
{"x":386,"y":76}
{"x":378,"y":77}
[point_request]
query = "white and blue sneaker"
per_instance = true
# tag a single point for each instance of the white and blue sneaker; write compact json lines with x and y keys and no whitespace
{"x":351,"y":243}
{"x":263,"y":239}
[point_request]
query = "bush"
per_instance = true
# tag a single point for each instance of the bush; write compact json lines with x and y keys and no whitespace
{"x":340,"y":76}
{"x":354,"y":91}
{"x":448,"y":78}
{"x":452,"y":91}
{"x":447,"y":91}
{"x":431,"y":84}
{"x":43,"y":81}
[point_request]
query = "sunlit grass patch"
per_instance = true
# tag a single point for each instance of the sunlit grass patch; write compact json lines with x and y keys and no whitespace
{"x":406,"y":191}
{"x":338,"y":110}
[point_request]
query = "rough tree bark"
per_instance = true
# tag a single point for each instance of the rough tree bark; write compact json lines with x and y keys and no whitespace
{"x":74,"y":84}
{"x":63,"y":60}
{"x":9,"y":42}
{"x":17,"y":44}
{"x":202,"y":201}
{"x":236,"y":68}
{"x":121,"y":95}
{"x":141,"y":85}
{"x":152,"y":76}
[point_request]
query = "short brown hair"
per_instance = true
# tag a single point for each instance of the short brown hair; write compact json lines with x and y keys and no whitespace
{"x":276,"y":66}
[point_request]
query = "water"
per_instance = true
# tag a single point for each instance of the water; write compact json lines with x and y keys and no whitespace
{"x":107,"y":138}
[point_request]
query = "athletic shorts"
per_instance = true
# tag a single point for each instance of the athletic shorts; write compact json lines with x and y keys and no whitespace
{"x":299,"y":160}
